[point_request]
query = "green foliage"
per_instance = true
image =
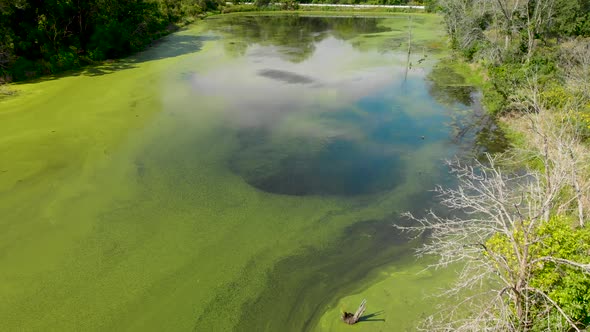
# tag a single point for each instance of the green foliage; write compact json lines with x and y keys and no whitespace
{"x":572,"y":19}
{"x":504,"y":77}
{"x":210,"y":5}
{"x":290,"y":5}
{"x":555,"y":95}
{"x":432,"y":6}
{"x":46,"y":37}
{"x":565,"y":284}
{"x":239,"y":8}
{"x":470,"y":51}
{"x":262,"y":3}
{"x":584,"y":121}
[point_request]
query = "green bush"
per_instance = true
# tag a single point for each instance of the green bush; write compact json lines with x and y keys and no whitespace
{"x":262,"y":3}
{"x":289,"y":5}
{"x":64,"y":60}
{"x":566,"y":285}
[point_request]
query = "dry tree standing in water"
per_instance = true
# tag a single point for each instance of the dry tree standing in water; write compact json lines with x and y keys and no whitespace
{"x":518,"y":238}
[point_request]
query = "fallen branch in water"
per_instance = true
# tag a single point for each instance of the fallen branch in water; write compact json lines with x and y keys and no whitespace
{"x":350,"y":318}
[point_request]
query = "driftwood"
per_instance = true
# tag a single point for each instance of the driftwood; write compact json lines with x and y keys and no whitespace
{"x":350,"y":318}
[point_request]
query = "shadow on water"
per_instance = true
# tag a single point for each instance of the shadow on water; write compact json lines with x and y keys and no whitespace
{"x":168,"y":47}
{"x":173,"y":45}
{"x":370,"y":317}
{"x":108,"y":68}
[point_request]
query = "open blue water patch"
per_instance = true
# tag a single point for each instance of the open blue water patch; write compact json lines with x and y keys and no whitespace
{"x":336,"y":166}
{"x":365,"y":157}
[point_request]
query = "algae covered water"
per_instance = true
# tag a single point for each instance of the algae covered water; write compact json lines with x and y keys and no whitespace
{"x":242,"y":174}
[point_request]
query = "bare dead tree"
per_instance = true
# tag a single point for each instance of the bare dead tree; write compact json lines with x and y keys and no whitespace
{"x":498,"y":23}
{"x":462,"y":20}
{"x":565,"y":161}
{"x":494,"y":286}
{"x":505,"y":14}
{"x":554,"y":138}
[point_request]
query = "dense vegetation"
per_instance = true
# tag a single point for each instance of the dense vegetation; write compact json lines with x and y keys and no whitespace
{"x":523,"y":236}
{"x":43,"y":37}
{"x":514,"y":40}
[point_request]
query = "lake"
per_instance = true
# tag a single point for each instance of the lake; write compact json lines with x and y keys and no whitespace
{"x":242,"y":174}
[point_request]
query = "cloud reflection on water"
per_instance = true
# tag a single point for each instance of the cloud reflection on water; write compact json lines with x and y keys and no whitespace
{"x":335,"y":75}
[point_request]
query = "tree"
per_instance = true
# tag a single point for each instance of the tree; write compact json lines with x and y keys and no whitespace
{"x":575,"y":62}
{"x":500,"y":238}
{"x":507,"y":232}
{"x":262,"y":3}
{"x":561,"y":252}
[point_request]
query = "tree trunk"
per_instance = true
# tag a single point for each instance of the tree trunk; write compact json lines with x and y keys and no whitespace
{"x":350,"y":318}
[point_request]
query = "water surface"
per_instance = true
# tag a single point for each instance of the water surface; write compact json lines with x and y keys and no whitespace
{"x":242,"y":175}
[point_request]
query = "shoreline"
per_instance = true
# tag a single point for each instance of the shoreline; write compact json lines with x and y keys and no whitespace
{"x":8,"y":90}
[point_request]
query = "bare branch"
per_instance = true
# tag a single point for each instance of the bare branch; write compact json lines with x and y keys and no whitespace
{"x":584,"y":267}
